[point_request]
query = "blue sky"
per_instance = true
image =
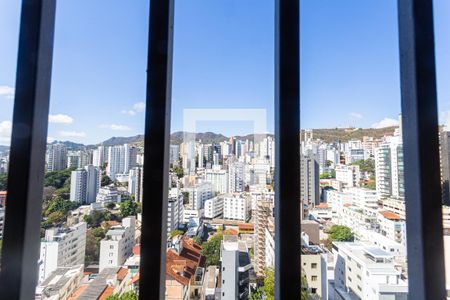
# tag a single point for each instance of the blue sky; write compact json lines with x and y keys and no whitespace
{"x":223,"y":58}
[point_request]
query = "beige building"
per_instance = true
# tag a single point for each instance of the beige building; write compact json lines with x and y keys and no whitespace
{"x":264,"y":210}
{"x":314,"y":267}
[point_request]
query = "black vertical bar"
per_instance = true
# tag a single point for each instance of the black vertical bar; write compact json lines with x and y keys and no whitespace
{"x":421,"y":150}
{"x":287,"y":137}
{"x":21,"y":245}
{"x":156,"y":160}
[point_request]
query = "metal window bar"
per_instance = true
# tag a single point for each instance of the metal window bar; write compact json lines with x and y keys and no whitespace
{"x":421,"y":150}
{"x":156,"y":160}
{"x":287,"y":147}
{"x":18,"y":276}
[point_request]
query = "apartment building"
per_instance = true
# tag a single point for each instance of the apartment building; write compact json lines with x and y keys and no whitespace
{"x":364,"y":271}
{"x":264,"y":211}
{"x":174,"y":210}
{"x":236,"y":207}
{"x":62,"y":247}
{"x":213,"y":207}
{"x":199,"y":193}
{"x":314,"y":267}
{"x":392,"y":226}
{"x":60,"y":284}
{"x":349,"y":175}
{"x":218,"y":178}
{"x":118,"y":244}
{"x":236,"y":266}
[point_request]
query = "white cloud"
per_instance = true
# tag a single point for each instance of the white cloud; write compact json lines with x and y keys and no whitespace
{"x":115,"y":127}
{"x":72,"y":134}
{"x":5,"y":132}
{"x":386,"y":122}
{"x":128,"y":112}
{"x":139,"y":107}
{"x":50,"y":139}
{"x":7,"y":91}
{"x":355,"y":115}
{"x":60,"y":119}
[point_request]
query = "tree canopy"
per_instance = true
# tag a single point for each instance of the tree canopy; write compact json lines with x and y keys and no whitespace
{"x":125,"y":296}
{"x":211,"y":250}
{"x":340,"y":233}
{"x":3,"y":182}
{"x":128,"y":208}
{"x":367,"y":165}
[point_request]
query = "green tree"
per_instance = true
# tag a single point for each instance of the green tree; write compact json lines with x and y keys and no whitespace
{"x":128,"y":208}
{"x":56,"y":217}
{"x":3,"y":182}
{"x":96,"y":218}
{"x":175,"y":233}
{"x":340,"y":233}
{"x":57,"y":178}
{"x":197,"y":240}
{"x":178,"y":171}
{"x":125,"y":296}
{"x":367,"y":165}
{"x":93,"y":239}
{"x":325,"y":175}
{"x":268,"y":289}
{"x":111,"y":205}
{"x":58,"y":204}
{"x":211,"y":249}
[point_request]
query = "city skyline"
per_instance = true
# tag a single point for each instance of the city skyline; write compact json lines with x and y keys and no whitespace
{"x":222,"y":59}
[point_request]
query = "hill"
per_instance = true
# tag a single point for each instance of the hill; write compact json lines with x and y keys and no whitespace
{"x":345,"y":134}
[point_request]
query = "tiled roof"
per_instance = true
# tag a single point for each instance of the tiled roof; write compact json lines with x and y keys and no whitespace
{"x":322,"y":205}
{"x":78,"y":292}
{"x":390,"y":215}
{"x":181,"y":267}
{"x":107,"y":292}
{"x":122,"y":273}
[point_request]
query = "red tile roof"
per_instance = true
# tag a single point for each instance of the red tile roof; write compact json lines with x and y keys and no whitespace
{"x":107,"y":292}
{"x":390,"y":215}
{"x":122,"y":273}
{"x":181,"y":267}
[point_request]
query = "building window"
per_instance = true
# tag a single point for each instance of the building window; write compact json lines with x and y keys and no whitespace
{"x":313,"y":278}
{"x":313,"y":291}
{"x":314,"y":266}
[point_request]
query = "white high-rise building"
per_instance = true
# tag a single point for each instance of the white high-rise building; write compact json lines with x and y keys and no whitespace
{"x":174,"y":209}
{"x":99,"y":156}
{"x":130,"y":158}
{"x":389,"y":169}
{"x":84,"y":184}
{"x":236,"y":176}
{"x":199,"y":193}
{"x":78,"y":184}
{"x":236,"y":207}
{"x":118,"y":244}
{"x":174,"y":156}
{"x":56,"y":157}
{"x":349,"y":175}
{"x":213,"y":207}
{"x":135,"y":183}
{"x":236,"y":268}
{"x":116,"y":161}
{"x":62,"y":247}
{"x":218,"y":178}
